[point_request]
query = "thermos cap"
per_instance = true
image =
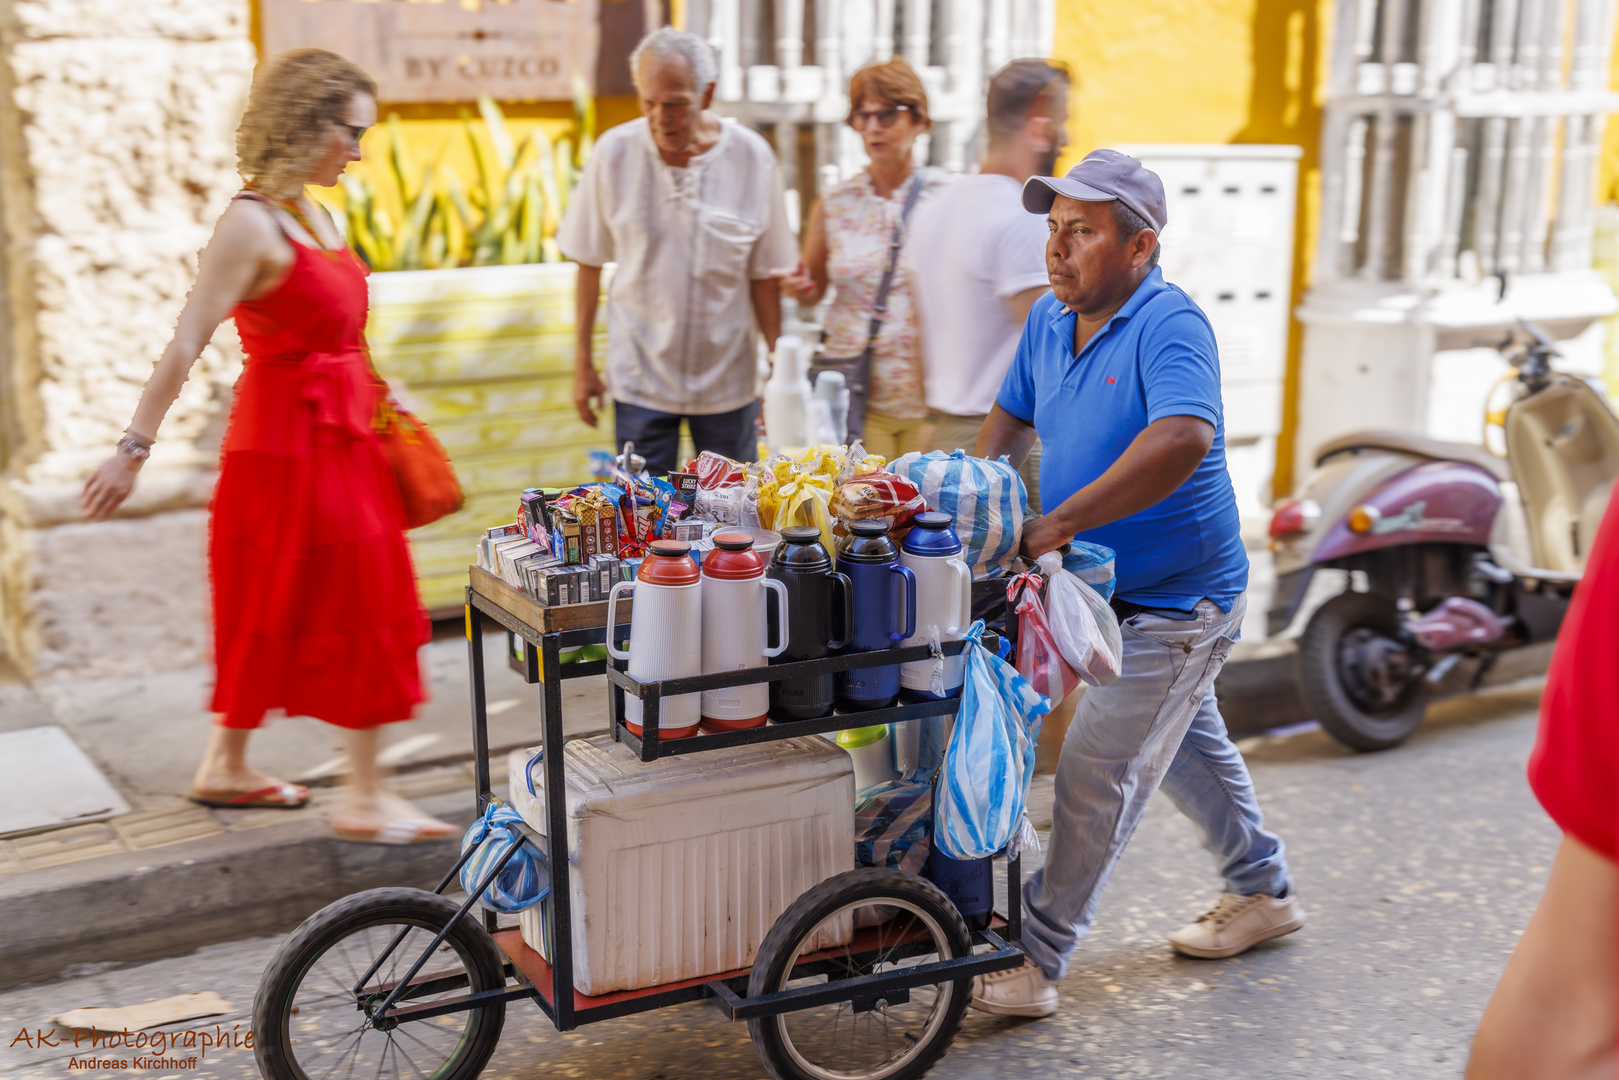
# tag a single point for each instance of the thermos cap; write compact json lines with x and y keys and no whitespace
{"x":668,"y":564}
{"x":801,"y":549}
{"x":733,"y":558}
{"x":931,"y":534}
{"x":868,"y":527}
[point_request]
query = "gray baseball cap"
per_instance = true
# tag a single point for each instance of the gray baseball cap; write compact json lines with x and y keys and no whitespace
{"x":1103,"y":176}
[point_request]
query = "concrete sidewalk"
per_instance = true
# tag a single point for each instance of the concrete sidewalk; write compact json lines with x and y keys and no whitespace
{"x":172,"y":876}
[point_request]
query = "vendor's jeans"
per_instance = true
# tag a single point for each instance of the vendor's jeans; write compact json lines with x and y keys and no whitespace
{"x":1157,"y":724}
{"x":656,"y":435}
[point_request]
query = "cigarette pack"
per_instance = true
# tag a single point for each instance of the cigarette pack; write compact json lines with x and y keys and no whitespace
{"x":529,"y":563}
{"x":486,"y":558}
{"x":689,"y":531}
{"x":550,"y":586}
{"x":507,"y":554}
{"x":603,"y":573}
{"x":685,"y":485}
{"x":582,"y":576}
{"x":567,"y":539}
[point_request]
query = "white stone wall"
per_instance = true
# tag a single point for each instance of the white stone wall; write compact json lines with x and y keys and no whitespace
{"x":119,"y":134}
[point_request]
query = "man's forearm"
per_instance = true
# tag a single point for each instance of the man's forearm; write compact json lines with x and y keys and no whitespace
{"x":586,"y":298}
{"x":766,"y":296}
{"x":1004,"y":433}
{"x":1151,"y":469}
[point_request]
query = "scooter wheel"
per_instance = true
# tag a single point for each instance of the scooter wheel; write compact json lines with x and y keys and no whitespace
{"x":1357,"y":677}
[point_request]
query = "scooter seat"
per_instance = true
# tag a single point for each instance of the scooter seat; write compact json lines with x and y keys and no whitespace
{"x":1405,"y":442}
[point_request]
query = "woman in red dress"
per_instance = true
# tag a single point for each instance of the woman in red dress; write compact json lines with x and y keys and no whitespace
{"x":314,"y":598}
{"x":1555,"y":1013}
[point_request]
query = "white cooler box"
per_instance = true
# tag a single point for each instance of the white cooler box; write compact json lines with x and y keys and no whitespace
{"x":714,"y":846}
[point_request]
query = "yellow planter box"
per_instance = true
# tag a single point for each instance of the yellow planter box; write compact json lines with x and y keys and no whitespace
{"x":487,"y":355}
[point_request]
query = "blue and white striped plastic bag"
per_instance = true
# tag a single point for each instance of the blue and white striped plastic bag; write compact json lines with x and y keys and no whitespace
{"x":525,"y":880}
{"x":986,"y":500}
{"x":989,"y":761}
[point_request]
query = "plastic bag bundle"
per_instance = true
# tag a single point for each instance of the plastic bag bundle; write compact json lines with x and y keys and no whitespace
{"x":989,"y":761}
{"x":985,"y":499}
{"x":524,"y":881}
{"x":1038,"y":658}
{"x":1092,"y":564}
{"x":1082,"y":623}
{"x":893,"y":825}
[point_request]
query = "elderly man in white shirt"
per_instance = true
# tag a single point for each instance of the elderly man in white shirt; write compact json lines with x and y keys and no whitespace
{"x":690,"y":209}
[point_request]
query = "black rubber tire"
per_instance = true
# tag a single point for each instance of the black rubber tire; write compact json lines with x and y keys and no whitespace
{"x":1321,"y":680}
{"x":801,"y":919}
{"x":376,"y":907}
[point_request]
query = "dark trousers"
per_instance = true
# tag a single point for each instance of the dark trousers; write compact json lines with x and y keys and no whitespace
{"x":656,"y":435}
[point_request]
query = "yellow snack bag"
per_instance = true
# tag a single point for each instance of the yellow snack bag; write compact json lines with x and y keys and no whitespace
{"x":768,"y":500}
{"x":807,"y":502}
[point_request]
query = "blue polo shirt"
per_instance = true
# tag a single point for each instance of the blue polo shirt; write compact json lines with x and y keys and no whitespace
{"x":1155,"y":358}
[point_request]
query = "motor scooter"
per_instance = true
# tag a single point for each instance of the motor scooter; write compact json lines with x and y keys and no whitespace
{"x":1455,"y":552}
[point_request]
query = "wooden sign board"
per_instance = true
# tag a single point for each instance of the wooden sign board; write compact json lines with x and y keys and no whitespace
{"x":448,"y":50}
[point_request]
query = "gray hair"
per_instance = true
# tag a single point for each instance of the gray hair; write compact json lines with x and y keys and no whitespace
{"x":667,"y":43}
{"x":1128,"y":222}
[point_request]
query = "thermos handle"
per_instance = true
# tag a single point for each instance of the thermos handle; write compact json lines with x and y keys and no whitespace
{"x":781,"y":620}
{"x":908,"y":580}
{"x":965,"y":576}
{"x":848,"y":611}
{"x":612,"y":619}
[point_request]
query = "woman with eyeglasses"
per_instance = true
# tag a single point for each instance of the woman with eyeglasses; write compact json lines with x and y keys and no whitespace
{"x":314,"y":598}
{"x":849,"y":244}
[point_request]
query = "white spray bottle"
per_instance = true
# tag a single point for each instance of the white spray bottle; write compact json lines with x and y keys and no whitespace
{"x":787,"y":397}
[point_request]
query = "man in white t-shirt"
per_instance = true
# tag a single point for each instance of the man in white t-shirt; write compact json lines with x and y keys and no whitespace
{"x":977,"y":259}
{"x":690,"y":208}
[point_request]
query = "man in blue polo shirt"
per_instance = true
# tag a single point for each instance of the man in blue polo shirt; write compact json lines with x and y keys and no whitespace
{"x":1118,"y":374}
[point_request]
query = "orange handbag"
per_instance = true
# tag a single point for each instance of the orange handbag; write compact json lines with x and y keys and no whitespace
{"x":428,"y":489}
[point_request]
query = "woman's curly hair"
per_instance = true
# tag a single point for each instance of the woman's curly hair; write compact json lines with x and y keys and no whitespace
{"x":295,"y":95}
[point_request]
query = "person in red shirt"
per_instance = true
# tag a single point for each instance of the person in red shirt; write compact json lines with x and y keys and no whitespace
{"x":1555,"y":1013}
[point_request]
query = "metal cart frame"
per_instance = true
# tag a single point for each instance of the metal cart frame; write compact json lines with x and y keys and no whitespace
{"x":546,"y":632}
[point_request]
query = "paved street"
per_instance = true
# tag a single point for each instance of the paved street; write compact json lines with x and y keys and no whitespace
{"x":1418,"y":867}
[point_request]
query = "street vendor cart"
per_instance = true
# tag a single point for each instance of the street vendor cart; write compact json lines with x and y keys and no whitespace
{"x":398,"y":982}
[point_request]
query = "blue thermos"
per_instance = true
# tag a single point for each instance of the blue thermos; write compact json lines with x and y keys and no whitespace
{"x":884,"y":595}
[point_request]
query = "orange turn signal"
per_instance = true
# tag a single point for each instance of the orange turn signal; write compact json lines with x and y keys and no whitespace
{"x":1362,"y":518}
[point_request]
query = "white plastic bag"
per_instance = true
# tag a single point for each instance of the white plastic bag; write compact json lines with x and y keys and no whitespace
{"x":1084,"y":625}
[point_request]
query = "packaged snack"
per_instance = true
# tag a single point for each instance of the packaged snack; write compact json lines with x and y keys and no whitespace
{"x":884,"y":496}
{"x":716,"y":470}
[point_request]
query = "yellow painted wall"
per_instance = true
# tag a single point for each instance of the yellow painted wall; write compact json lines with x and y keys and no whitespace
{"x":1214,"y":71}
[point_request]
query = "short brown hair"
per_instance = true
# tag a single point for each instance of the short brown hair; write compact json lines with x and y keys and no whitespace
{"x":893,"y":82}
{"x":1022,"y":89}
{"x":295,"y":95}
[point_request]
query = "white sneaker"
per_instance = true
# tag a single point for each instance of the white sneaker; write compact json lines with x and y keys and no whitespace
{"x":1019,"y":991}
{"x":1238,"y":923}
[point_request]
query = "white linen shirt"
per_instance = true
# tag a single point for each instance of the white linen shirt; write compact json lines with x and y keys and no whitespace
{"x":681,"y":336}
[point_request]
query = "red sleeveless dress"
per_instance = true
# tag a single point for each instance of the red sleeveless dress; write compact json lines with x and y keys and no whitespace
{"x":315,"y":604}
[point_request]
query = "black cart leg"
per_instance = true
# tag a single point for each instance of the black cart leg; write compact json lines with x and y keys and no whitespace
{"x":556,"y":809}
{"x":480,"y":721}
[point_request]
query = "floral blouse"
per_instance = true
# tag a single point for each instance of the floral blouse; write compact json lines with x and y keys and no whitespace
{"x":858,"y":228}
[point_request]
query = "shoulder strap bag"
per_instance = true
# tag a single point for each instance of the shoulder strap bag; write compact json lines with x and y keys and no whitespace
{"x":856,"y":370}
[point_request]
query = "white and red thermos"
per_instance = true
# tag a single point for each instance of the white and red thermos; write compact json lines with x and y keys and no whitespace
{"x":736,"y":630}
{"x":666,"y":634}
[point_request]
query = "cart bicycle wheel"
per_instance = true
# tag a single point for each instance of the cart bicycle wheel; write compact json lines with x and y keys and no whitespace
{"x":897,"y":920}
{"x":313,"y":1019}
